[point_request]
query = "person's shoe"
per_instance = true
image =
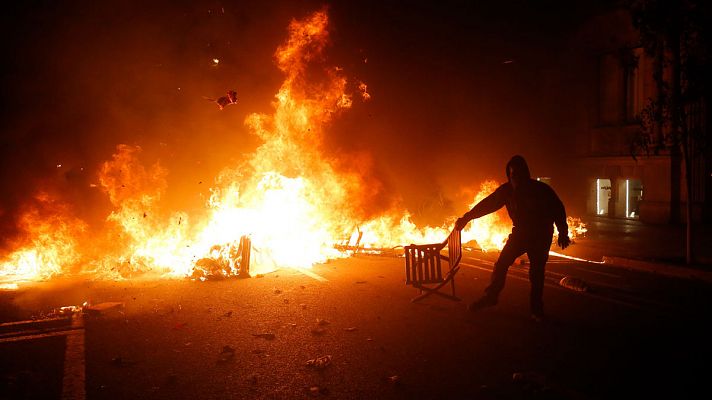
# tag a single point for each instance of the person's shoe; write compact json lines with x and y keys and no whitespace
{"x":483,"y":302}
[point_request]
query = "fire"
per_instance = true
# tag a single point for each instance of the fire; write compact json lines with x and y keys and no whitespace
{"x":491,"y":231}
{"x":287,"y":197}
{"x":50,"y":241}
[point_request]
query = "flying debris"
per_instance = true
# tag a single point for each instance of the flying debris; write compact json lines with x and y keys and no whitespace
{"x":223,"y":101}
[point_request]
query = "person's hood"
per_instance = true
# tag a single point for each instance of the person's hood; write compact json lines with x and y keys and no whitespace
{"x":518,"y":164}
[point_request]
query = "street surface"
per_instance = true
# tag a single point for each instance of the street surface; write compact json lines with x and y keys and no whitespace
{"x":632,"y":333}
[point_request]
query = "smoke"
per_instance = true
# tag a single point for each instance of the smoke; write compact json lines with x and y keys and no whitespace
{"x":446,"y":111}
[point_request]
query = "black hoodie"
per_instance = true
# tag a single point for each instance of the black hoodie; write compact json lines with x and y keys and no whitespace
{"x":533,"y":207}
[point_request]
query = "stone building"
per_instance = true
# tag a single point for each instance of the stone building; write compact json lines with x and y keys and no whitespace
{"x":617,"y":84}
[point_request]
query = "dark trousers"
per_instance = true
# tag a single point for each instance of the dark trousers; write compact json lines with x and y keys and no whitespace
{"x":537,"y":249}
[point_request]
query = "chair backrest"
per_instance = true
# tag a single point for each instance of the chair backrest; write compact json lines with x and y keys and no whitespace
{"x":422,"y":264}
{"x":454,"y":248}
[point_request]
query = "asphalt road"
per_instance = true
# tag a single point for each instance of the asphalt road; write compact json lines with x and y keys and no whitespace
{"x":631,"y":334}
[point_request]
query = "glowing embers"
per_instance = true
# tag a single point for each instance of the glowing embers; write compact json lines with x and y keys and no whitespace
{"x":225,"y":261}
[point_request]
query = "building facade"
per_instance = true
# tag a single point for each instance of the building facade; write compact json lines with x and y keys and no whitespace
{"x":616,"y":179}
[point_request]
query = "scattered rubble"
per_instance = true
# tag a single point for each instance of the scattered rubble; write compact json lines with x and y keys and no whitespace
{"x":322,"y":322}
{"x":319,"y":362}
{"x":318,"y":331}
{"x":227,"y":354}
{"x":103,"y":308}
{"x":317,"y":390}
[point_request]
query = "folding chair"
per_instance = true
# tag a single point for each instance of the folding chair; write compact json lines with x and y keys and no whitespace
{"x":423,"y":266}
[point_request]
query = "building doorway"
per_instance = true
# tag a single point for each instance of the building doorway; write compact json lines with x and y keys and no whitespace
{"x":603,"y":196}
{"x":632,"y":192}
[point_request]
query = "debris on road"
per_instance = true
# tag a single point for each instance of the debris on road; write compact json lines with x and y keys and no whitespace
{"x":394,"y":379}
{"x":319,"y":362}
{"x":350,"y":329}
{"x":277,"y":291}
{"x":322,"y":322}
{"x":575,"y":284}
{"x":103,"y":308}
{"x":228,"y":314}
{"x":317,"y":390}
{"x":303,"y":306}
{"x":318,"y":331}
{"x":265,"y":335}
{"x":360,"y":282}
{"x":227,"y":354}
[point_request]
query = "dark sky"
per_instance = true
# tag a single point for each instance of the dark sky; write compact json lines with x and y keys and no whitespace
{"x":457,"y":89}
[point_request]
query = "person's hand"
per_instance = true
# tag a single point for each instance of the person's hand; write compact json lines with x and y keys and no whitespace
{"x":564,"y":242}
{"x":460,"y":223}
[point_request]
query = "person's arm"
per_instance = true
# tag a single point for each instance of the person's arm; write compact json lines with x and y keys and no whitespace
{"x":559,"y":214}
{"x":488,"y":205}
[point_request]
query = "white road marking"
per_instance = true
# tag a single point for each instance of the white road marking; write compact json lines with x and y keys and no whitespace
{"x":74,"y":374}
{"x":312,"y":275}
{"x":558,"y":287}
{"x":73,"y":382}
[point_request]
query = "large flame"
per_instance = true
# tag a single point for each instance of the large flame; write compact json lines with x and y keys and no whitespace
{"x":49,"y":244}
{"x":292,"y":202}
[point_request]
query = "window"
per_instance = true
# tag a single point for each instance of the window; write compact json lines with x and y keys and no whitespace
{"x":623,"y":85}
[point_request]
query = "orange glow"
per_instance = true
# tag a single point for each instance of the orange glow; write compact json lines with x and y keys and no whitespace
{"x":288,"y":197}
{"x":50,"y":241}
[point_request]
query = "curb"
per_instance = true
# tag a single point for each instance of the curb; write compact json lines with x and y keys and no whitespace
{"x":659,"y":268}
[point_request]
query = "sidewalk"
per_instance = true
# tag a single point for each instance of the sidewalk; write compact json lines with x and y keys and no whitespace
{"x":658,"y":249}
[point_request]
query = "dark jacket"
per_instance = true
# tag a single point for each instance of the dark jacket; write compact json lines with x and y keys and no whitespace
{"x":534,"y":208}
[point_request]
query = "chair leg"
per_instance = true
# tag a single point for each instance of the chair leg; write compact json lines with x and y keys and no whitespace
{"x":435,"y":290}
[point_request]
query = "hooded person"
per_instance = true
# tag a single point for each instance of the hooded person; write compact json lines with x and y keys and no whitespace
{"x":534,"y":209}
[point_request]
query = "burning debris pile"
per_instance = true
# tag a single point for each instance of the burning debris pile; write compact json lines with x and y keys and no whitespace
{"x":287,"y":205}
